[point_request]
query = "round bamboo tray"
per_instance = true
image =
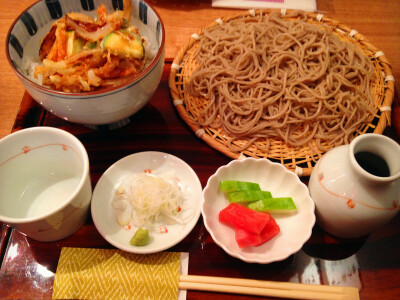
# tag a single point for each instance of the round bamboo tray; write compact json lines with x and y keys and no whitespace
{"x":300,"y":160}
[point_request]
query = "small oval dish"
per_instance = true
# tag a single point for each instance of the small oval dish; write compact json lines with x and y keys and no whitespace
{"x":103,"y":213}
{"x":295,"y":228}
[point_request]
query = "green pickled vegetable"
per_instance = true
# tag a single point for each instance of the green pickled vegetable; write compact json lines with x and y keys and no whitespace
{"x":141,"y":237}
{"x":278,"y":205}
{"x":228,"y":186}
{"x":248,"y":196}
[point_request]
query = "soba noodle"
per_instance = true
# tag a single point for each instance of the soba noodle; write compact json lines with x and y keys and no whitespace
{"x":266,"y":77}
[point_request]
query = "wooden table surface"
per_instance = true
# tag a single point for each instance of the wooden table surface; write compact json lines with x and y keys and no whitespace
{"x":371,"y":263}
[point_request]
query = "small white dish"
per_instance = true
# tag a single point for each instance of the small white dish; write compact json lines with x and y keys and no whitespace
{"x":103,"y":212}
{"x":295,"y":228}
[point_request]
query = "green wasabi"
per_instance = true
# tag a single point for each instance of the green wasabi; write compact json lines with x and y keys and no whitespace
{"x":140,"y":238}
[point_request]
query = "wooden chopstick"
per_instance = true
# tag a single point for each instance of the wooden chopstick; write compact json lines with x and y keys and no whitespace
{"x":267,"y":288}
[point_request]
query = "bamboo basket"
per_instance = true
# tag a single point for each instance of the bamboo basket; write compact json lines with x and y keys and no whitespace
{"x":300,"y":160}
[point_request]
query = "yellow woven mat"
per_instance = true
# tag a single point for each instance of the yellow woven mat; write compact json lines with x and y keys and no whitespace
{"x":114,"y":274}
{"x":300,"y":160}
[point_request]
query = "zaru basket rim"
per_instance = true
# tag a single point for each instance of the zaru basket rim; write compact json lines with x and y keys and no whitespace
{"x":300,"y":161}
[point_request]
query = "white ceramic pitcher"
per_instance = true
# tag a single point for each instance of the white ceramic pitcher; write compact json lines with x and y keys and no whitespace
{"x":351,"y":201}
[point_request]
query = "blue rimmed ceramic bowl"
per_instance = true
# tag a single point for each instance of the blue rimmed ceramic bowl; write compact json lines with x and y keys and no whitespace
{"x":112,"y":106}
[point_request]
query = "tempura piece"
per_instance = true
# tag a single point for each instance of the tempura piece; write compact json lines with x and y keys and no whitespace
{"x":80,"y":53}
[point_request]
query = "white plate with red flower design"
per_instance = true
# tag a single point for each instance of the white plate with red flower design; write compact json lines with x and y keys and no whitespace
{"x":162,"y":237}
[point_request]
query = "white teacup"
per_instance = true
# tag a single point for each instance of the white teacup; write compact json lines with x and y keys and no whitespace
{"x":45,"y":187}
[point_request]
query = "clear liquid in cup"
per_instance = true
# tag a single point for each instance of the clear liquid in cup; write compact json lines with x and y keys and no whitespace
{"x":46,"y":193}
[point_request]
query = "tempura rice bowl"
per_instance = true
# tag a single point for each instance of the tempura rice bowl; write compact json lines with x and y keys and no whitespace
{"x":108,"y":105}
